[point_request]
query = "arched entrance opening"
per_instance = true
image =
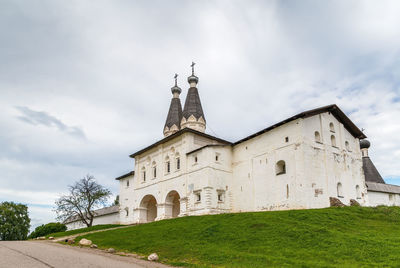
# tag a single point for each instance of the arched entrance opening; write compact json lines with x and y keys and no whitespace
{"x":149,"y":206}
{"x":173,"y":205}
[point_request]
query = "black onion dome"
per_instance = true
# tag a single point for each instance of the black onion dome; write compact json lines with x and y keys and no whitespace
{"x":176,"y":89}
{"x":193,"y":78}
{"x":364,"y":144}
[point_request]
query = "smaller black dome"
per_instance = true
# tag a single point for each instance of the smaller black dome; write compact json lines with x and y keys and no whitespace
{"x":193,"y":78}
{"x":176,"y":89}
{"x":364,"y":144}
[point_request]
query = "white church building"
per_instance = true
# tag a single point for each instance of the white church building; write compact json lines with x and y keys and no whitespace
{"x":299,"y":163}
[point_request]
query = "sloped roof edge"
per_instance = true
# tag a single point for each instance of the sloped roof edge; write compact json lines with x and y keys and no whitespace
{"x":383,"y":188}
{"x":125,"y":175}
{"x":333,"y":109}
{"x":97,"y":213}
{"x":180,"y":132}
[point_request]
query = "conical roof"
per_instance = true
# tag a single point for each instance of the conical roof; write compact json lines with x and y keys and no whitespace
{"x":193,"y":105}
{"x":174,"y":116}
{"x":370,"y":172}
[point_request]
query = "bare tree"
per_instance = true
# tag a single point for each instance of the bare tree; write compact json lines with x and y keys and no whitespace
{"x":83,"y":197}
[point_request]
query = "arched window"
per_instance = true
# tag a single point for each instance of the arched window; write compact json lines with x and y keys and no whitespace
{"x":154,"y":168}
{"x":347,"y":144}
{"x":339,"y":190}
{"x":167,"y":165}
{"x":317,"y":136}
{"x":127,"y":211}
{"x":143,"y":174}
{"x":178,"y":161}
{"x":358,"y":192}
{"x":287,"y":191}
{"x":333,"y":140}
{"x":280,"y":167}
{"x":332,"y":127}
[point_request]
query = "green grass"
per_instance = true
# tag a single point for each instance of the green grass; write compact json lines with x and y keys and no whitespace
{"x":332,"y":237}
{"x":83,"y":230}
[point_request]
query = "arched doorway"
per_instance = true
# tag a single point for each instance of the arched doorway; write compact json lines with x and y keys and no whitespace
{"x":149,"y":206}
{"x":173,"y":205}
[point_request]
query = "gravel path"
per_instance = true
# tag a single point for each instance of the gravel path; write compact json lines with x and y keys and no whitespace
{"x":58,"y":239}
{"x":39,"y":254}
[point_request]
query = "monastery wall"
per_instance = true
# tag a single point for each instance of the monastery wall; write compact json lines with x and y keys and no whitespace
{"x":383,"y":199}
{"x":333,"y":165}
{"x":256,"y":183}
{"x":113,"y":218}
{"x":317,"y":167}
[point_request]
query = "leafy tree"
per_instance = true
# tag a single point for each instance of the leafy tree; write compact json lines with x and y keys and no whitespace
{"x":14,"y":221}
{"x":45,"y":229}
{"x":116,"y":201}
{"x":83,"y":198}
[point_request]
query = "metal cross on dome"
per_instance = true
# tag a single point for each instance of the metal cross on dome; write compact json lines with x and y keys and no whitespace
{"x":192,"y":65}
{"x":176,"y":79}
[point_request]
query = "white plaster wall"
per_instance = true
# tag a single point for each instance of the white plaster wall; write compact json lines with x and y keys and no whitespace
{"x":256,"y":185}
{"x":383,"y":199}
{"x":189,"y":178}
{"x":327,"y":165}
{"x":126,"y":200}
{"x":105,"y":219}
{"x":312,"y":169}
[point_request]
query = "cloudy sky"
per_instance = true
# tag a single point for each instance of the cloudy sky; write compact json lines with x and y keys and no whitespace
{"x":83,"y":84}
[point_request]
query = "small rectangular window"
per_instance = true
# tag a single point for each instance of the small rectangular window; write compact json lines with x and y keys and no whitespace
{"x":178,"y":163}
{"x":198,"y":197}
{"x":127,"y":183}
{"x":144,"y":175}
{"x":220,"y":197}
{"x":154,"y":172}
{"x":168,"y":167}
{"x":195,"y":159}
{"x":287,"y":139}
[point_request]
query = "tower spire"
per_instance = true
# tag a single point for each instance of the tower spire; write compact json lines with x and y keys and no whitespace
{"x":192,"y":115}
{"x":174,"y":117}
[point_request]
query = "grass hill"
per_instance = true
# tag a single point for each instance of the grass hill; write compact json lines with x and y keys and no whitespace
{"x":332,"y":237}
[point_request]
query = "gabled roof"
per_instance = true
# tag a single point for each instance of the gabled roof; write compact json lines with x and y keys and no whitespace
{"x":370,"y":172}
{"x":180,"y":132}
{"x":193,"y":105}
{"x":333,"y":109}
{"x":125,"y":175}
{"x":174,"y":116}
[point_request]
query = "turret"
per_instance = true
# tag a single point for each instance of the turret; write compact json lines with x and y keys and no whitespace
{"x":192,"y":115}
{"x":172,"y":124}
{"x":364,"y":145}
{"x":370,"y":172}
